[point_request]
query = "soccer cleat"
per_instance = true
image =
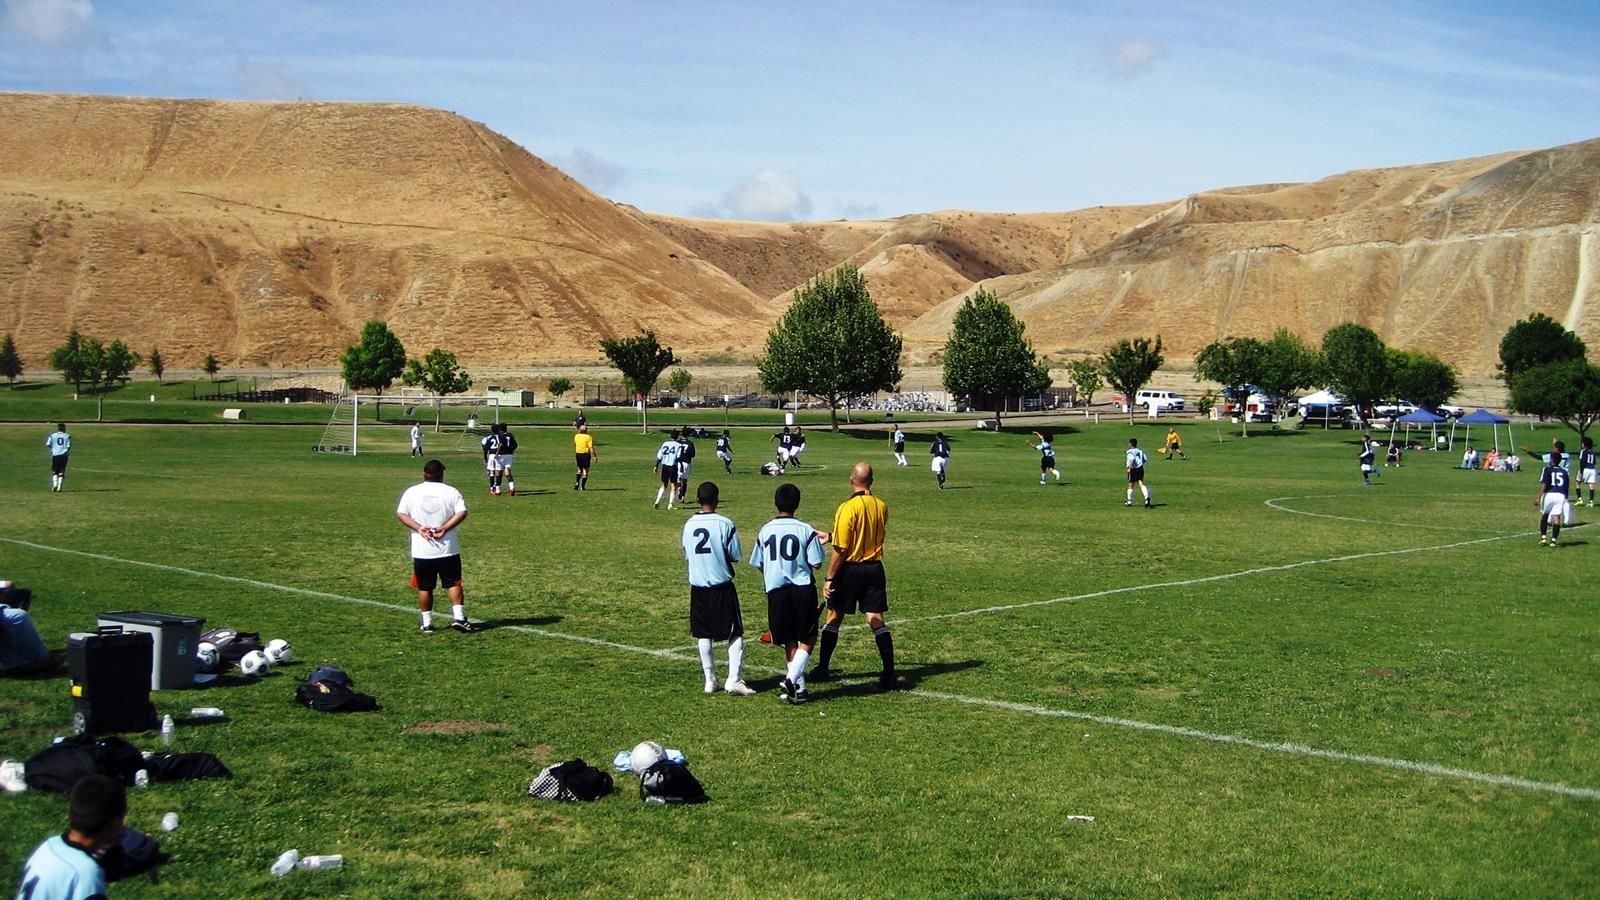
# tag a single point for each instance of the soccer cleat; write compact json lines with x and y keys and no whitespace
{"x":513,"y":492}
{"x":711,"y":685}
{"x":463,"y":626}
{"x":1128,"y":503}
{"x":1041,"y":482}
{"x":1552,"y":542}
{"x":786,"y":691}
{"x":427,"y":629}
{"x":1149,"y":505}
{"x":738,"y":689}
{"x":888,"y":682}
{"x":800,"y":696}
{"x":1543,"y":540}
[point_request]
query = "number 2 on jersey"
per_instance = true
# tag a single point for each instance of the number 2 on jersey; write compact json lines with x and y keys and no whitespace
{"x":704,"y":544}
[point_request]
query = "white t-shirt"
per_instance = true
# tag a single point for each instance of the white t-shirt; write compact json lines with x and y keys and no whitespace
{"x":416,"y":436}
{"x":432,"y":503}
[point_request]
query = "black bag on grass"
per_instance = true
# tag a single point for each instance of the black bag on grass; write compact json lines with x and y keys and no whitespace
{"x":232,"y":645}
{"x":670,"y":782}
{"x":573,"y":781}
{"x":134,"y":853}
{"x":329,"y":689}
{"x":61,"y":765}
{"x":186,"y":766}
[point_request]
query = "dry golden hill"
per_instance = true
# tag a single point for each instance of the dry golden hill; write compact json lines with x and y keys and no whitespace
{"x":269,"y":232}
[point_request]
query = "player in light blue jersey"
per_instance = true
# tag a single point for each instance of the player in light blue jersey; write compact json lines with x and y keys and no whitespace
{"x":711,"y":546}
{"x":1047,"y":456}
{"x":786,"y":552}
{"x":66,"y":866}
{"x":1136,"y":461}
{"x":667,"y":465}
{"x":60,"y":444}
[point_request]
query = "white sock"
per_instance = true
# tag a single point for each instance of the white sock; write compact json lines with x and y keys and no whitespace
{"x":707,"y":665}
{"x":427,"y":618}
{"x":797,"y":667}
{"x":1146,"y":489}
{"x":735,"y":658}
{"x":459,"y":611}
{"x":1130,"y":495}
{"x":659,"y":492}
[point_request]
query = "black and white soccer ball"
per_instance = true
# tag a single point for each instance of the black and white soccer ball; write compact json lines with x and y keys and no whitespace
{"x":644,"y":755}
{"x":279,"y":652}
{"x":207,"y":658}
{"x":255,"y":663}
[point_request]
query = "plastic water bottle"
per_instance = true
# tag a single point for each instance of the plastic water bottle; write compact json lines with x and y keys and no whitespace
{"x":141,"y":779}
{"x":285,"y":863}
{"x":322,"y":862}
{"x":205,"y":712}
{"x":169,"y":822}
{"x":167,"y":728}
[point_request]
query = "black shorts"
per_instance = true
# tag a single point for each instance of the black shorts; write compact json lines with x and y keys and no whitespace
{"x":669,"y":474}
{"x":860,"y":585}
{"x":792,"y":613}
{"x":583,"y":460}
{"x":431,"y":572}
{"x":1046,"y":463}
{"x":58,"y":464}
{"x":714,"y":612}
{"x":1136,"y":475}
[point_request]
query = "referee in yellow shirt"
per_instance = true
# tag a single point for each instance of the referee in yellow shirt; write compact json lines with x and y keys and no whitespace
{"x":855,"y":574}
{"x":583,"y":444}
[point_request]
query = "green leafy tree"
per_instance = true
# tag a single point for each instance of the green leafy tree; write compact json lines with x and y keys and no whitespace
{"x":438,"y":374}
{"x":1534,"y":341}
{"x":987,"y":358}
{"x":1129,"y":364}
{"x":1289,"y":365}
{"x":1357,"y":365}
{"x":832,"y":343}
{"x":1234,"y":363}
{"x":1421,"y":378}
{"x":157,"y":364}
{"x":117,"y":364}
{"x":559,"y":385}
{"x":1567,"y":390}
{"x":374,"y":362}
{"x":679,"y":381}
{"x":641,"y":360}
{"x":211,"y":366}
{"x":1086,"y":379}
{"x":10,"y":362}
{"x":69,"y":360}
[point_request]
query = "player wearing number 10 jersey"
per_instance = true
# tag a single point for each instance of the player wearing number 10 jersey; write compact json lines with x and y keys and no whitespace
{"x":786,"y":552}
{"x":711,"y":546}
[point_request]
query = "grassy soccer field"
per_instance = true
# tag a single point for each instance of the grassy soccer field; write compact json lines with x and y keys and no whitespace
{"x":1277,"y":682}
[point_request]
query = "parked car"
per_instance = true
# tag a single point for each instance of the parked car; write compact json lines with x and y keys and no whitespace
{"x":1394,"y":410}
{"x":1450,"y":412}
{"x":1164,"y":400}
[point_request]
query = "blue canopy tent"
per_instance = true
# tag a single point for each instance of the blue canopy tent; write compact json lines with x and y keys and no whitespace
{"x":1419,"y":418}
{"x":1483,"y":417}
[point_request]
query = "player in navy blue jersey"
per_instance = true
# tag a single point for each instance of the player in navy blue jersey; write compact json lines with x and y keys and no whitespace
{"x":711,"y":547}
{"x":940,"y":451}
{"x":1586,"y":471}
{"x":785,"y":441}
{"x":1552,"y":501}
{"x":725,"y":451}
{"x":786,"y":552}
{"x":1368,"y":454}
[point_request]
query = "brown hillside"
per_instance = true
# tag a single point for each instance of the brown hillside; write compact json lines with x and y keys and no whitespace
{"x":269,"y":232}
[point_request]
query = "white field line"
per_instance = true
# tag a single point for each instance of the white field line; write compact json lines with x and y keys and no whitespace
{"x":1277,"y":504}
{"x":1289,"y":749}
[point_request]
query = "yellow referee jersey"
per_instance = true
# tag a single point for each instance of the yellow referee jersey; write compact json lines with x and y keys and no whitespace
{"x":583,"y":443}
{"x":859,"y":526}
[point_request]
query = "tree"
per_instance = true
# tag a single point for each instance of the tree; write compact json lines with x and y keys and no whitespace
{"x":374,"y":362}
{"x":641,"y":360}
{"x":1128,"y":366}
{"x":439,"y":375}
{"x":987,"y":357}
{"x":679,"y":381}
{"x":1568,"y":390}
{"x":157,"y":364}
{"x":211,"y":366}
{"x":1534,"y":341}
{"x":117,"y":364}
{"x":1236,"y":364}
{"x":1085,"y":377}
{"x":559,"y":385}
{"x":1357,"y":365}
{"x":69,"y":360}
{"x":1289,"y":365}
{"x":10,"y":362}
{"x":1421,"y":378}
{"x":832,"y":343}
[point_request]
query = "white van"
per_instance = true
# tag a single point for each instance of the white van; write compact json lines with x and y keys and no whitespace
{"x":1163,"y":400}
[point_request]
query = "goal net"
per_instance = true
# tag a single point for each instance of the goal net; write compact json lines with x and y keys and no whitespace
{"x":370,"y":423}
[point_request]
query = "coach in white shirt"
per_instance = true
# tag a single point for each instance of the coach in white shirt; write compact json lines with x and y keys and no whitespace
{"x":432,"y":510}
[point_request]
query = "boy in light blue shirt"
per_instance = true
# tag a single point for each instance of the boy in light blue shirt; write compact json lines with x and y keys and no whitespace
{"x":64,"y":867}
{"x":711,"y":547}
{"x":786,"y":552}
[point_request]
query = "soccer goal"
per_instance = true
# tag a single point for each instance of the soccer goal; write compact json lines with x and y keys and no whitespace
{"x":470,"y":417}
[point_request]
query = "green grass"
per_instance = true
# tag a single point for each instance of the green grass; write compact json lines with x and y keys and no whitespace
{"x":1478,"y":657}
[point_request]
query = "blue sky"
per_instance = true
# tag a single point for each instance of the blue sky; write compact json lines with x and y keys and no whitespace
{"x":828,"y":110}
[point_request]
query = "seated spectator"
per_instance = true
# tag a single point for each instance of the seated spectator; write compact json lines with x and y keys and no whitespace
{"x":1469,"y":459}
{"x":1392,"y":456}
{"x":1491,"y":461}
{"x":1513,"y":462}
{"x":21,"y":649}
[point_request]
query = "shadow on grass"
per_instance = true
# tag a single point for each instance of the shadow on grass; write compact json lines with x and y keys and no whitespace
{"x":54,"y":667}
{"x":30,"y":386}
{"x":910,"y":677}
{"x":1053,"y":430}
{"x":510,"y":623}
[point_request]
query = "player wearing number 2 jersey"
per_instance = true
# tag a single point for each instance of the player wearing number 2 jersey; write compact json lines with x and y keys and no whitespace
{"x":1552,"y":502}
{"x":711,"y":546}
{"x":786,"y":551}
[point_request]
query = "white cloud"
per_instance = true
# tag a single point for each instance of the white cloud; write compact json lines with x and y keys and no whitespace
{"x":1130,"y":57}
{"x":49,"y":21}
{"x":857,"y":210}
{"x":269,"y":81}
{"x":769,"y":196}
{"x":592,"y":170}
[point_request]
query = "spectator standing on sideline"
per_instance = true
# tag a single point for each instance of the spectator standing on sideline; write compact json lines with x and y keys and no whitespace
{"x":855,"y":574}
{"x":432,"y":511}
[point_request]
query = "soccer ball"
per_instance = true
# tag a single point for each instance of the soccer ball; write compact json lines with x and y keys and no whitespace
{"x":206,"y":657}
{"x":279,"y":651}
{"x":255,"y":663}
{"x":645,"y":755}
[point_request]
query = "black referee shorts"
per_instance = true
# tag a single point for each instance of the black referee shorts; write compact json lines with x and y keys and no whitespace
{"x":431,"y":572}
{"x":860,"y":585}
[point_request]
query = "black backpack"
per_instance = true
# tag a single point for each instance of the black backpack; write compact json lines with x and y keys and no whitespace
{"x":573,"y":780}
{"x":329,"y":689}
{"x":61,"y":765}
{"x":232,"y":645}
{"x":670,"y":782}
